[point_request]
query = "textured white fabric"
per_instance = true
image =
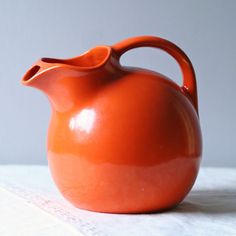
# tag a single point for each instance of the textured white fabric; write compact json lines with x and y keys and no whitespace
{"x":209,"y":210}
{"x":17,"y":217}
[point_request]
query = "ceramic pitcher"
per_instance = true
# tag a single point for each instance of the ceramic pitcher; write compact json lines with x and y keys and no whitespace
{"x":120,"y":139}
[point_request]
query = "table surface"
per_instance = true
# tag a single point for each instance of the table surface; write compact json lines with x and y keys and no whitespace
{"x":30,"y":201}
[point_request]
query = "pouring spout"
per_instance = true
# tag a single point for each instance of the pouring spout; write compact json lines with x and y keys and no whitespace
{"x":89,"y":61}
{"x":35,"y":76}
{"x":45,"y":77}
{"x":30,"y":74}
{"x":69,"y":82}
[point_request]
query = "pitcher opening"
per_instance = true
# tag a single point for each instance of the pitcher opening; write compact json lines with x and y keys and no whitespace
{"x":31,"y":73}
{"x":91,"y":59}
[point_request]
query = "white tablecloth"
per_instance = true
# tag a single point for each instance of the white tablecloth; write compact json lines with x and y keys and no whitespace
{"x":31,"y":205}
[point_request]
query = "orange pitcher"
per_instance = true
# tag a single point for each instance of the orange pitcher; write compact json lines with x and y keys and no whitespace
{"x":121,"y":139}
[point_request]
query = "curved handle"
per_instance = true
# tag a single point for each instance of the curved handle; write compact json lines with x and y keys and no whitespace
{"x":189,"y":80}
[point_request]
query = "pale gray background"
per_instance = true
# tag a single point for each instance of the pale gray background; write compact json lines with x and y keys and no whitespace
{"x":205,"y":30}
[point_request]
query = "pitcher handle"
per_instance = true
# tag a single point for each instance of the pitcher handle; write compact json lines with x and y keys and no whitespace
{"x":189,"y":80}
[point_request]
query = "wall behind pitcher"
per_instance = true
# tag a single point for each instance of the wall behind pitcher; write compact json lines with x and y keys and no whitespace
{"x":205,"y":30}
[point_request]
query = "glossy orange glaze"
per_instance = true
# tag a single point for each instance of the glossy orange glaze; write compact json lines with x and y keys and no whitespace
{"x":121,"y":139}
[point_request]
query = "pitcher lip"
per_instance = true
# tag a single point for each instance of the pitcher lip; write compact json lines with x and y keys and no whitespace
{"x":80,"y":63}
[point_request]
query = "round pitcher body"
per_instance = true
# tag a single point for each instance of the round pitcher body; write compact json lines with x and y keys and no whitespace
{"x":133,"y":147}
